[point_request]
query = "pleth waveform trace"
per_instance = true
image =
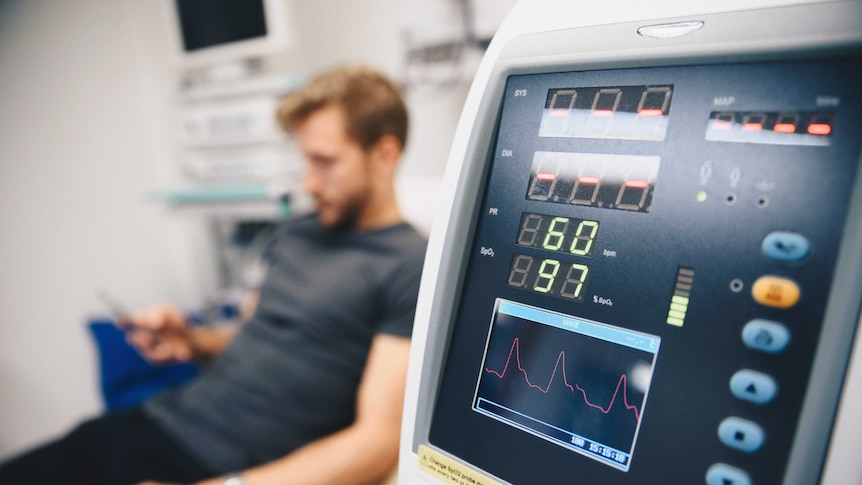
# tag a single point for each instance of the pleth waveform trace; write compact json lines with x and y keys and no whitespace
{"x":561,"y":364}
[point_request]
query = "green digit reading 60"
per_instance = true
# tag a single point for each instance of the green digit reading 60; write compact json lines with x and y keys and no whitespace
{"x":562,"y":234}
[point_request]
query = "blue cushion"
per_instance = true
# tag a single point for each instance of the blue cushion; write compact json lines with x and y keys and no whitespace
{"x":126,"y":378}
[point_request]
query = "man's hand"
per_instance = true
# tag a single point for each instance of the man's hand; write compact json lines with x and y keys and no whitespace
{"x":161,"y":334}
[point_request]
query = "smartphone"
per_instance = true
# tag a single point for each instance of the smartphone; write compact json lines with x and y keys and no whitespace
{"x":122,"y":317}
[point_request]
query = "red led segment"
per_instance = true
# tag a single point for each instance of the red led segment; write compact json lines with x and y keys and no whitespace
{"x":784,"y":128}
{"x":589,"y":180}
{"x":821,"y":129}
{"x":637,"y":184}
{"x":752,"y":126}
{"x":723,"y":121}
{"x":650,"y":112}
{"x":545,"y":177}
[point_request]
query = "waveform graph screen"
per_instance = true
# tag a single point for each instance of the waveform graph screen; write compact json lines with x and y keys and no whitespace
{"x":577,"y":383}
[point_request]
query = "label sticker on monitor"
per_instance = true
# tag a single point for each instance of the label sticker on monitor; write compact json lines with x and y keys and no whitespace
{"x":577,"y":383}
{"x":448,"y":470}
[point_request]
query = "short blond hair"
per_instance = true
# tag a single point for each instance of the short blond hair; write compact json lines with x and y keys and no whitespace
{"x":372,"y":104}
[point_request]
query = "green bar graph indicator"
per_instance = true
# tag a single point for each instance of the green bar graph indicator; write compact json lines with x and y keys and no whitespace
{"x":680,"y":298}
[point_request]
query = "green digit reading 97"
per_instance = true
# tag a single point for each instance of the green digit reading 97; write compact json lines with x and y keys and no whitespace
{"x":561,"y":234}
{"x":549,"y":276}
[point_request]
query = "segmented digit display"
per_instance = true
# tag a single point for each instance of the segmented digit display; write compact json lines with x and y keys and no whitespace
{"x":616,"y":112}
{"x":561,"y":234}
{"x":622,"y":182}
{"x":549,"y":276}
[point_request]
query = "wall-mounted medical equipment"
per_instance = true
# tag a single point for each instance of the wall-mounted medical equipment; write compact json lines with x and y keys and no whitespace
{"x":650,"y":270}
{"x":238,"y":162}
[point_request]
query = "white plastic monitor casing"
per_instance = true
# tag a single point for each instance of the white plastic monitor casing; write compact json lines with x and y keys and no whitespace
{"x":758,"y":31}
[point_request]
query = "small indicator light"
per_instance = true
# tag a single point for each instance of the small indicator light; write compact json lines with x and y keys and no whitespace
{"x":589,"y":180}
{"x":559,"y":112}
{"x":637,"y":184}
{"x":701,"y":196}
{"x":784,"y":128}
{"x":602,"y":112}
{"x":681,"y":294}
{"x":751,"y":126}
{"x":721,"y":125}
{"x":650,"y":112}
{"x":821,"y":129}
{"x":545,"y":177}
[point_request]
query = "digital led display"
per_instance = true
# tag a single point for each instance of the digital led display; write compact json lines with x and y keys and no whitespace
{"x":618,"y":112}
{"x":623,"y":182}
{"x":555,"y":233}
{"x":549,"y":276}
{"x":771,"y":128}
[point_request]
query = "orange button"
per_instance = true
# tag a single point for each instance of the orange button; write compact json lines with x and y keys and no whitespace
{"x":775,"y":291}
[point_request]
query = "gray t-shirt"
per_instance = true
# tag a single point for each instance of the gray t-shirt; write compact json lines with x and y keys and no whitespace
{"x":291,"y":374}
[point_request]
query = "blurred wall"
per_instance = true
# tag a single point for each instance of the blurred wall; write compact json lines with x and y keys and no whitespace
{"x":84,"y":97}
{"x":87,"y":105}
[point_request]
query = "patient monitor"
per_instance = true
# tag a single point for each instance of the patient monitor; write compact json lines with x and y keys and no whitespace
{"x":648,"y":264}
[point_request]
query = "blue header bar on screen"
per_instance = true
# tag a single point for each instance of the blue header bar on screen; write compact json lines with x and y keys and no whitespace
{"x":602,"y":331}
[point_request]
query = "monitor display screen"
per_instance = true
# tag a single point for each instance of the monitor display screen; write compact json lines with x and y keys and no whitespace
{"x":210,"y":23}
{"x":644,"y":289}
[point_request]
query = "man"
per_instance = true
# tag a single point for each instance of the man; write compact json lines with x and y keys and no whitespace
{"x":309,"y":390}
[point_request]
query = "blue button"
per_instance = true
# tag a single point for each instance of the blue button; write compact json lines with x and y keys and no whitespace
{"x":721,"y":474}
{"x":753,"y":386}
{"x":765,"y":336}
{"x":785,"y":246}
{"x":741,"y":434}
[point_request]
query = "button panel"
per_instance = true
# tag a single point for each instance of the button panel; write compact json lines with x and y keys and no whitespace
{"x":764,"y":336}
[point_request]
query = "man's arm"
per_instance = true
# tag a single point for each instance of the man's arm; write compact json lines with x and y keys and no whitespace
{"x":208,"y":342}
{"x":367,"y":450}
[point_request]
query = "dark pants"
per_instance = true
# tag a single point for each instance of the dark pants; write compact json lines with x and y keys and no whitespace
{"x":122,"y":448}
